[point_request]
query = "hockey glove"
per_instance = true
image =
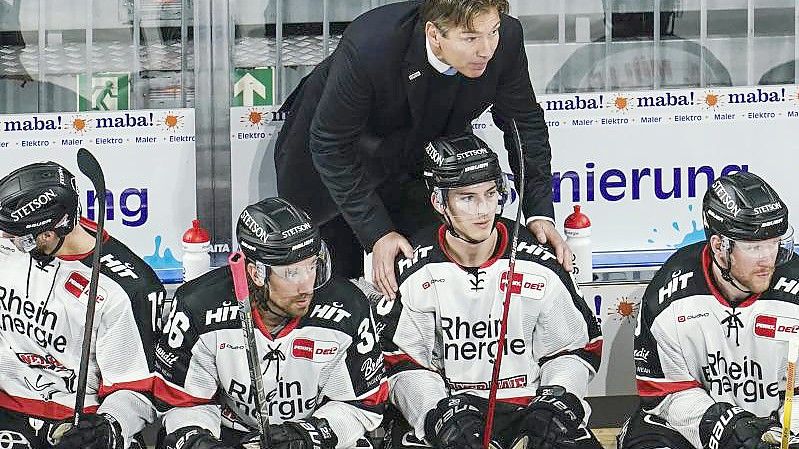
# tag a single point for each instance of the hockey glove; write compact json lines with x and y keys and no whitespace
{"x":455,"y":423}
{"x":193,"y":437}
{"x":552,"y":419}
{"x":308,"y":433}
{"x":725,"y":426}
{"x":93,"y":432}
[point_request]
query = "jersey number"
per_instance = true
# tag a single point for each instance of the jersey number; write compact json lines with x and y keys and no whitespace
{"x":367,"y":341}
{"x":177,"y":324}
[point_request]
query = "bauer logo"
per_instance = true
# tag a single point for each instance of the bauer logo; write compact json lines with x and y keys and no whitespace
{"x":314,"y":350}
{"x":777,"y":327}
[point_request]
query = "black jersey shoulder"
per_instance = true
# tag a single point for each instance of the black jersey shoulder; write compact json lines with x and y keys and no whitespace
{"x":125,"y":268}
{"x":426,"y":249}
{"x":210,"y":301}
{"x":681,"y":276}
{"x":338,"y":305}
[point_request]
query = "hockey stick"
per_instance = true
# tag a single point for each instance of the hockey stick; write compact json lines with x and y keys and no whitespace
{"x":91,"y":168}
{"x":236,"y":262}
{"x":793,"y":352}
{"x":492,"y":396}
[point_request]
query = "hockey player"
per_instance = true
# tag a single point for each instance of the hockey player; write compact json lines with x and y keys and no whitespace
{"x":710,"y":349}
{"x":45,"y":265}
{"x":321,"y":362}
{"x":440,"y":334}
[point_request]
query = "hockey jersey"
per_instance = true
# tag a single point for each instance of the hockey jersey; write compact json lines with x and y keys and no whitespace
{"x":447,"y":318}
{"x":693,"y":348}
{"x":42,"y":317}
{"x":327,"y":364}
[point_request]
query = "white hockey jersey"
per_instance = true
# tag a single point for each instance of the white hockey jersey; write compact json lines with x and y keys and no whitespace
{"x":42,"y":317}
{"x":447,"y":320}
{"x":692,"y":348}
{"x":327,"y":364}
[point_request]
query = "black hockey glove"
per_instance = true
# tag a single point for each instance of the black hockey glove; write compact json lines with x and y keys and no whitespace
{"x":308,"y":433}
{"x":93,"y":432}
{"x":552,"y":418}
{"x":455,"y":423}
{"x":193,"y":437}
{"x":725,"y":426}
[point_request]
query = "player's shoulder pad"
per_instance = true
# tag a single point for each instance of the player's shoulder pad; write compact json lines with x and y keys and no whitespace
{"x":529,"y":249}
{"x":785,"y":282}
{"x":426,"y":249}
{"x":124,"y":267}
{"x":338,"y":305}
{"x":210,"y":301}
{"x":681,"y":276}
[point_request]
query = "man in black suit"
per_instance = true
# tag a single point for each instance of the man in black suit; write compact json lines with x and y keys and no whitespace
{"x":402,"y":75}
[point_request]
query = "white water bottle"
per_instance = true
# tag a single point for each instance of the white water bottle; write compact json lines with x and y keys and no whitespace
{"x":196,"y":247}
{"x":577,"y":228}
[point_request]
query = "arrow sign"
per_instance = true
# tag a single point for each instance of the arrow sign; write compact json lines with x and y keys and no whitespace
{"x":253,"y":87}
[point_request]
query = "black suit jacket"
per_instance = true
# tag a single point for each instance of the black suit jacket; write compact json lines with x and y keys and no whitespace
{"x":355,"y":123}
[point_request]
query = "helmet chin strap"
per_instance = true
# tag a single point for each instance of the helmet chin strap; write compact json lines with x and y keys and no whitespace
{"x":467,"y":239}
{"x":726,"y":273}
{"x":42,"y":258}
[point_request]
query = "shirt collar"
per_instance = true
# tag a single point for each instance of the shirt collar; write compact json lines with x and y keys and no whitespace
{"x":439,"y":65}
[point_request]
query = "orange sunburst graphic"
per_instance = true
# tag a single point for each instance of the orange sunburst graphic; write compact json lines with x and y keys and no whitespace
{"x":625,"y":310}
{"x":173,"y":121}
{"x":711,"y":100}
{"x":79,"y":125}
{"x":621,"y":103}
{"x":254,"y":117}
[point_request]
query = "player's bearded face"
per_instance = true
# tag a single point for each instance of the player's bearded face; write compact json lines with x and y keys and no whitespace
{"x":468,"y":50}
{"x":291,"y":287}
{"x":753,"y":263}
{"x":472,"y":209}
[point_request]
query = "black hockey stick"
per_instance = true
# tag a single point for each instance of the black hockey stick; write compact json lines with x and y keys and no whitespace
{"x":492,"y":395}
{"x":242,"y":290}
{"x":91,"y":168}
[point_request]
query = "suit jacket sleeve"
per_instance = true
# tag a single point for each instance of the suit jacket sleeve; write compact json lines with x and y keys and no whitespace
{"x":340,"y":119}
{"x":516,"y":99}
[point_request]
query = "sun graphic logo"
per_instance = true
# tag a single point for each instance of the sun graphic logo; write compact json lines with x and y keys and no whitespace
{"x":712,"y":100}
{"x":625,"y":310}
{"x":254,"y":118}
{"x":78,"y":125}
{"x":621,"y":103}
{"x":172,"y":121}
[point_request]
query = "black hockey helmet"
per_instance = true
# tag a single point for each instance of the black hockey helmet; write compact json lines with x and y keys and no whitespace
{"x":36,"y":198}
{"x":461,"y":161}
{"x":743,"y":207}
{"x":274,"y":233}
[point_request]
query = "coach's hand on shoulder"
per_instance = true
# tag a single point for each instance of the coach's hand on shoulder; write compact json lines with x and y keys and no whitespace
{"x":92,"y":432}
{"x":384,"y":254}
{"x":725,"y":426}
{"x":545,"y":232}
{"x":308,"y":433}
{"x":455,"y":423}
{"x":552,"y":418}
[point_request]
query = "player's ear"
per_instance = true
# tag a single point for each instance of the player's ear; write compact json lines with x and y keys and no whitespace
{"x":252,"y":270}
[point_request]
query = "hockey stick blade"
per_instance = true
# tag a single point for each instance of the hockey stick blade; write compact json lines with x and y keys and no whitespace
{"x":236,"y":261}
{"x":503,"y":330}
{"x":89,"y":166}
